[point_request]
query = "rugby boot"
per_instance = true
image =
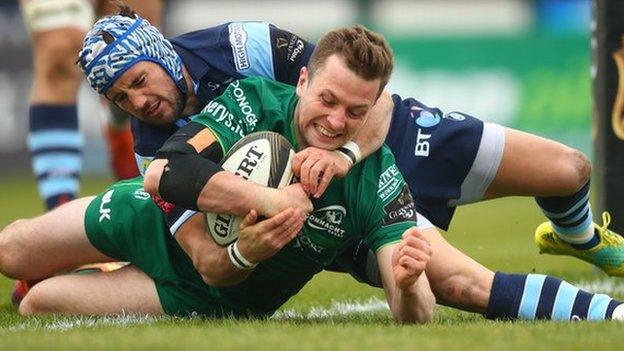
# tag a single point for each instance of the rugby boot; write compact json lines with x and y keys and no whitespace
{"x":608,"y":254}
{"x":22,"y":287}
{"x":100,"y":267}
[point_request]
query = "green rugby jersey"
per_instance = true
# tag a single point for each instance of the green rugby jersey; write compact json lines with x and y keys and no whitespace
{"x":372,"y":202}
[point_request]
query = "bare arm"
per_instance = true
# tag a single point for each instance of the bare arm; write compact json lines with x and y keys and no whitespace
{"x":405,"y":283}
{"x":373,"y":133}
{"x":256,"y":242}
{"x":187,"y":174}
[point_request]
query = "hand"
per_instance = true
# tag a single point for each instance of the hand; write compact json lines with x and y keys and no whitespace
{"x":316,"y":167}
{"x":154,"y":172}
{"x":259,"y":241}
{"x":410,"y":258}
{"x":274,"y":201}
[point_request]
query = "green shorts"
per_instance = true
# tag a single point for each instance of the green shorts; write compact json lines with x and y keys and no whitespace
{"x":124,"y":223}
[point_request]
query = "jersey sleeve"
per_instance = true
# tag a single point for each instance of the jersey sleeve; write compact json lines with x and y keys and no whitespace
{"x":290,"y":52}
{"x":392,"y":210}
{"x":262,"y":49}
{"x":247,"y":106}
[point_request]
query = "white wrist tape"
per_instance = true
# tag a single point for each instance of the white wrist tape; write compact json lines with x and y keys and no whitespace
{"x":237,"y":259}
{"x":351,"y":151}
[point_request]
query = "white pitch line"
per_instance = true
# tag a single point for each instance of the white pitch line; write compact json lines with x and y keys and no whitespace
{"x":611,"y":286}
{"x":336,"y":309}
{"x":68,"y":323}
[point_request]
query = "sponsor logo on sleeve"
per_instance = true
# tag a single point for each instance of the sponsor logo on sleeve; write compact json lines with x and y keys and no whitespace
{"x":141,"y":194}
{"x":238,"y":41}
{"x":389,"y":182}
{"x":288,"y":46}
{"x":105,"y":212}
{"x":400,"y":209}
{"x":455,"y":116}
{"x":295,"y":49}
{"x":424,"y":118}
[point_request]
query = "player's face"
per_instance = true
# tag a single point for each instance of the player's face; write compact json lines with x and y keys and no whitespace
{"x":147,"y":92}
{"x":333,"y":104}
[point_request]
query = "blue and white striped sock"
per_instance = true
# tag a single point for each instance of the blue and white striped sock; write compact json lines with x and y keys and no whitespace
{"x":55,"y":145}
{"x":571,"y":217}
{"x":537,"y":296}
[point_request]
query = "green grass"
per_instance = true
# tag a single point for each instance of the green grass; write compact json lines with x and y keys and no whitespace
{"x":496,"y":233}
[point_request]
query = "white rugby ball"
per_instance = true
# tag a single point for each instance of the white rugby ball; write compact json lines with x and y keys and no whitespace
{"x":264,"y":158}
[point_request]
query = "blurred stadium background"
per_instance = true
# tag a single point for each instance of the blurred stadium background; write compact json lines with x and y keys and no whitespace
{"x":521,"y":63}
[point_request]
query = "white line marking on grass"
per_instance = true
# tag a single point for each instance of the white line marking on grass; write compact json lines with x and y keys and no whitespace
{"x":338,"y":308}
{"x":69,"y":323}
{"x":611,"y":286}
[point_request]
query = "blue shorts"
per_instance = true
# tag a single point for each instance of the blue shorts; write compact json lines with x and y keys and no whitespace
{"x":446,"y":159}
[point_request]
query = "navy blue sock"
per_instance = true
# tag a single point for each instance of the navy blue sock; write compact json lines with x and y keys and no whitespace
{"x":571,"y":217}
{"x":55,"y":145}
{"x":536,"y":296}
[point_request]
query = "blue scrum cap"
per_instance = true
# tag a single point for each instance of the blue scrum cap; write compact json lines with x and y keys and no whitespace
{"x":116,"y":43}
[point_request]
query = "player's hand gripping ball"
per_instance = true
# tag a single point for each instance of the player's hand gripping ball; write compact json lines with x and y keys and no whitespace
{"x":264,"y":158}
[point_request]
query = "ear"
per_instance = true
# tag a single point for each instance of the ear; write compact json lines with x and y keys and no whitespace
{"x":302,"y":83}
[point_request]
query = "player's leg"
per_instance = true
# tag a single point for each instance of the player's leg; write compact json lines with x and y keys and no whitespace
{"x":126,"y":290}
{"x":461,"y":282}
{"x":467,"y":160}
{"x":559,"y":178}
{"x":117,"y":131}
{"x":555,"y":169}
{"x":57,"y":29}
{"x":54,"y":242}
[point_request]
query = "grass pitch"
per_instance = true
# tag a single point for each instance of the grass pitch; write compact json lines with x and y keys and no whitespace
{"x":333,"y":312}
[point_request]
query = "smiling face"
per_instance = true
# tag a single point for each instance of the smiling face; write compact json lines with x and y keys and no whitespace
{"x":333,"y":104}
{"x":147,"y":92}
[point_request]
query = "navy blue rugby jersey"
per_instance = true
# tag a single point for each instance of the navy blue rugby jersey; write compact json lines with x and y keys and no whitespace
{"x":217,"y":56}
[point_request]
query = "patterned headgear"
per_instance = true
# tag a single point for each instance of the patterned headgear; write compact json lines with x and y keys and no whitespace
{"x":135,"y":40}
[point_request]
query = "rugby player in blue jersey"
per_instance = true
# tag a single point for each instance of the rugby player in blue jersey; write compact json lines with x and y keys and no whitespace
{"x":187,"y":273}
{"x":448,"y":159}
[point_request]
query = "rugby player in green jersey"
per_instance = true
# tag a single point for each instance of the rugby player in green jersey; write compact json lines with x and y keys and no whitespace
{"x":189,"y":273}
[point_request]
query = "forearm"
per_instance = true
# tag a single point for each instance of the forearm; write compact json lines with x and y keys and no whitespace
{"x":226,"y":192}
{"x":402,"y":267}
{"x":415,"y":304}
{"x":216,"y":269}
{"x":373,"y":133}
{"x":211,"y":261}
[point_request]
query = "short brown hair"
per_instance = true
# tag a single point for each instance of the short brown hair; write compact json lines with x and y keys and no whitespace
{"x":365,"y":52}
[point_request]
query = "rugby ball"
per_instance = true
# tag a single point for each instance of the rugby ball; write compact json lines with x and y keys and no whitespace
{"x":264,"y":158}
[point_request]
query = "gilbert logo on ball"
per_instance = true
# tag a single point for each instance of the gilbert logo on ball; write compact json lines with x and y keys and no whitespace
{"x":264,"y":158}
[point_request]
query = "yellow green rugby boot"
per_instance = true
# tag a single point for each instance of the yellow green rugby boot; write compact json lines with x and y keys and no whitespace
{"x":608,"y":255}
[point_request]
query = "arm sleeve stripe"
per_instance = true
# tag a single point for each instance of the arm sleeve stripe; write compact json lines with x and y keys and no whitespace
{"x":178,"y":223}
